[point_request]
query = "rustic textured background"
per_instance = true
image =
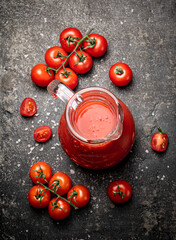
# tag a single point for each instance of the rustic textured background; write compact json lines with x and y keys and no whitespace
{"x":139,"y":33}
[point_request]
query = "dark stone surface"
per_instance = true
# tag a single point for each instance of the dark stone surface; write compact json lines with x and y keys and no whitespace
{"x":140,"y":33}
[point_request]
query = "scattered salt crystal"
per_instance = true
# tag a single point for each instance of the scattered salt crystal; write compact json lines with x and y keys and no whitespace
{"x":52,"y":103}
{"x":39,"y":121}
{"x":48,"y":113}
{"x":53,"y":135}
{"x":132,"y":10}
{"x":146,"y":167}
{"x":31,"y":149}
{"x":52,"y":126}
{"x":52,"y":121}
{"x":25,"y":129}
{"x":36,"y":144}
{"x":45,"y":20}
{"x":57,"y":144}
{"x":41,"y":34}
{"x":168,"y":166}
{"x":32,"y":126}
{"x":121,"y":22}
{"x":25,"y":55}
{"x":41,"y":149}
{"x":19,"y":140}
{"x":142,"y":170}
{"x":136,"y":177}
{"x":147,"y":151}
{"x":18,"y":165}
{"x":72,"y":171}
{"x":35,"y":96}
{"x":123,"y":58}
{"x":52,"y":147}
{"x":36,"y":115}
{"x":55,"y":109}
{"x":29,"y":145}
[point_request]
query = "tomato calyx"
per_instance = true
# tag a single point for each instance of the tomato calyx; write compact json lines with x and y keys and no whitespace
{"x":59,"y":54}
{"x":91,"y":41}
{"x":118,"y":70}
{"x":121,"y":194}
{"x":39,"y":194}
{"x":71,"y":39}
{"x":41,"y":174}
{"x":160,"y":130}
{"x":81,"y":58}
{"x":74,"y":194}
{"x":66,"y":73}
{"x":55,"y":205}
{"x":56,"y":185}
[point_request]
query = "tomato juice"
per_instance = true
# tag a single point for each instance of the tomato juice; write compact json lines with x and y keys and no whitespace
{"x":97,"y":130}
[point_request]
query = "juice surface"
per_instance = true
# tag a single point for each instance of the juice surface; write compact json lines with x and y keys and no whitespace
{"x":95,"y":120}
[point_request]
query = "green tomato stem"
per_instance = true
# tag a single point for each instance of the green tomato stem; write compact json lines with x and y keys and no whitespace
{"x":77,"y":45}
{"x":59,"y":196}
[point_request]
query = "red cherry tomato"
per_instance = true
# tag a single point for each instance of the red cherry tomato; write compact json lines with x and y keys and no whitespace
{"x":68,"y":77}
{"x":42,"y":171}
{"x":120,"y":74}
{"x":40,"y":76}
{"x":159,"y":141}
{"x":42,"y":134}
{"x":38,"y":197}
{"x":119,"y":191}
{"x":96,"y":45}
{"x":60,"y":183}
{"x":69,"y":38}
{"x":28,"y":107}
{"x":58,"y":209}
{"x":79,"y":195}
{"x":81,"y":62}
{"x":55,"y":57}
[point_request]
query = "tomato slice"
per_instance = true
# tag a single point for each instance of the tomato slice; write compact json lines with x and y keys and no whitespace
{"x":42,"y":134}
{"x":28,"y":107}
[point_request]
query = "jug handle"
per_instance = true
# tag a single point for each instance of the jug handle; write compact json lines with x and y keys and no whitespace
{"x":59,"y":90}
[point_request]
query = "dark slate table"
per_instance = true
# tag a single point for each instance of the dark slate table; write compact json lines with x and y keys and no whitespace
{"x":139,"y":33}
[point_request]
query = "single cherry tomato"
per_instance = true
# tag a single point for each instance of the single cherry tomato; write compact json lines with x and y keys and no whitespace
{"x":95,"y":45}
{"x":120,"y":74}
{"x":40,"y":171}
{"x":159,"y":141}
{"x":68,"y":77}
{"x":81,"y":62}
{"x":41,"y":76}
{"x":60,"y":183}
{"x":55,"y":57}
{"x":28,"y":107}
{"x":42,"y":134}
{"x":69,"y":38}
{"x":79,"y":195}
{"x":119,"y":191}
{"x":58,"y":209}
{"x":39,"y":197}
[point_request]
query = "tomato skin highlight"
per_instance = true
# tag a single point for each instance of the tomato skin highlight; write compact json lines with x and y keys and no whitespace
{"x":71,"y":81}
{"x":57,"y":213}
{"x":42,"y":133}
{"x":159,"y":141}
{"x":72,"y":32}
{"x":82,"y":196}
{"x":81,"y":67}
{"x":40,"y":76}
{"x":113,"y":190}
{"x":122,"y":79}
{"x":28,"y":107}
{"x":51,"y":59}
{"x":36,"y":202}
{"x":63,"y":181}
{"x":36,"y":169}
{"x":100,"y":45}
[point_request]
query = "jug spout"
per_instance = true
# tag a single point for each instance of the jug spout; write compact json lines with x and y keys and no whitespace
{"x":59,"y":90}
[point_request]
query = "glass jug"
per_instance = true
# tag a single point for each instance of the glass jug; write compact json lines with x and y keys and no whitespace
{"x":97,"y":129}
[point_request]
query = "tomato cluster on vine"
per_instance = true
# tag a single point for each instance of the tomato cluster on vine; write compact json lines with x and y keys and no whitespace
{"x":75,"y":50}
{"x":59,"y":184}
